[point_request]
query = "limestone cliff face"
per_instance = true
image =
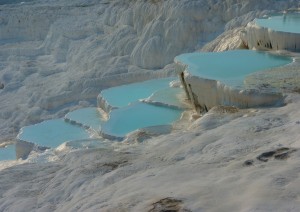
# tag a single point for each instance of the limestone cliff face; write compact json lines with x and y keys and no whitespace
{"x":205,"y":94}
{"x":262,"y":38}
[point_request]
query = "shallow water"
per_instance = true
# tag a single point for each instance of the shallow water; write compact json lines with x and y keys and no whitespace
{"x":289,"y":22}
{"x":168,"y":97}
{"x":230,"y":66}
{"x":136,"y":116}
{"x":52,"y":133}
{"x":8,"y":152}
{"x":122,"y":96}
{"x":90,"y":117}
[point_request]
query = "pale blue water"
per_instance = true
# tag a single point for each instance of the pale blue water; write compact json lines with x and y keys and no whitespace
{"x":289,"y":22}
{"x":168,"y":96}
{"x":52,"y":133}
{"x":87,"y":116}
{"x":122,"y":96}
{"x":230,"y":66}
{"x":8,"y":152}
{"x":136,"y":116}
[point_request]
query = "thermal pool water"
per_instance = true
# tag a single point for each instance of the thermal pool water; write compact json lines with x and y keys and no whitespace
{"x":8,"y":152}
{"x":138,"y":115}
{"x":122,"y":96}
{"x":230,"y":67}
{"x":52,"y":133}
{"x":87,"y":117}
{"x":286,"y":22}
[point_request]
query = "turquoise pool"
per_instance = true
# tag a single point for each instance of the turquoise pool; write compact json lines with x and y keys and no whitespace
{"x":90,"y":117}
{"x":122,"y":96}
{"x":138,"y":115}
{"x":8,"y":152}
{"x":52,"y":133}
{"x":230,"y":66}
{"x":168,"y":97}
{"x":287,"y":22}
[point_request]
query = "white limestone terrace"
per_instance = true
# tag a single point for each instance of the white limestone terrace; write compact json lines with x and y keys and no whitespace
{"x":56,"y":132}
{"x":228,"y":160}
{"x":127,"y":107}
{"x":286,"y":78}
{"x":79,"y":129}
{"x":212,"y":79}
{"x":279,"y":31}
{"x":125,"y":116}
{"x":56,"y":56}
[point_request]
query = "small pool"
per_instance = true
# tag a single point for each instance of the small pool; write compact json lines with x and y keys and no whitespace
{"x":52,"y":133}
{"x":138,"y":115}
{"x":230,"y":66}
{"x":8,"y":152}
{"x":171,"y":97}
{"x":122,"y":96}
{"x":87,"y":117}
{"x":286,"y":22}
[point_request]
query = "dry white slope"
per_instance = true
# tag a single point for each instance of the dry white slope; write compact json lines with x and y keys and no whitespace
{"x":202,"y":166}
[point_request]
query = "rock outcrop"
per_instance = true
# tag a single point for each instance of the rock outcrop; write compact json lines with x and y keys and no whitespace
{"x":260,"y":37}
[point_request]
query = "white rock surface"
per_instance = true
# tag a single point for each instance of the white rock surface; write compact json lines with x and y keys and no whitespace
{"x":206,"y":93}
{"x":200,"y":166}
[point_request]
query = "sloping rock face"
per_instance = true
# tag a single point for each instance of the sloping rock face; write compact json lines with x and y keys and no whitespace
{"x":204,"y":94}
{"x":267,"y":38}
{"x":218,"y":78}
{"x":54,"y":56}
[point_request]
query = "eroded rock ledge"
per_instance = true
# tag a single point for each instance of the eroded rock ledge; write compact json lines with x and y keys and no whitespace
{"x":205,"y":94}
{"x":207,"y":85}
{"x":273,"y":36}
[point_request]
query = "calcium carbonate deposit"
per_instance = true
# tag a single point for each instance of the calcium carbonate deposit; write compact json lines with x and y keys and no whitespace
{"x":57,"y":56}
{"x":275,"y":31}
{"x":217,"y":78}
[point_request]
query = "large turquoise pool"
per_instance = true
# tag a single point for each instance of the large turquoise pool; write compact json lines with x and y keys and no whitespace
{"x":52,"y":133}
{"x":230,"y":66}
{"x":138,"y":115}
{"x":122,"y":96}
{"x":287,"y":22}
{"x":8,"y":152}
